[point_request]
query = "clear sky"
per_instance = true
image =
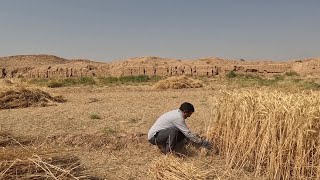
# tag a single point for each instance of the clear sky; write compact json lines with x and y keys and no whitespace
{"x":105,"y":30}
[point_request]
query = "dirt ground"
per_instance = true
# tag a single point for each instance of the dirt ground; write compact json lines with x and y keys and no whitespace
{"x":106,"y":127}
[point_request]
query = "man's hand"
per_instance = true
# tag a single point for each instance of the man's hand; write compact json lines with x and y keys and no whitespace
{"x":206,"y":144}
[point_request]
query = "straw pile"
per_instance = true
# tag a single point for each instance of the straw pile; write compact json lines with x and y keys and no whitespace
{"x":25,"y":98}
{"x":178,"y":83}
{"x":7,"y":140}
{"x":21,"y":159}
{"x":170,"y":167}
{"x":22,"y":164}
{"x":269,"y":133}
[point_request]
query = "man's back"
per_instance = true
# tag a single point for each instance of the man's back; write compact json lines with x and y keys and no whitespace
{"x":165,"y":121}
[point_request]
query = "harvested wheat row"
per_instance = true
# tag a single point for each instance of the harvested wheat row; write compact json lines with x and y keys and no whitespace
{"x":178,"y":83}
{"x":23,"y":163}
{"x":170,"y":167}
{"x":269,"y":133}
{"x":21,"y":98}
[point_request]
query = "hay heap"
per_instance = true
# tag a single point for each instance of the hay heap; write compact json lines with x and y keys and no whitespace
{"x":23,"y":164}
{"x":22,"y":158}
{"x":170,"y":167}
{"x":178,"y":83}
{"x":22,"y":98}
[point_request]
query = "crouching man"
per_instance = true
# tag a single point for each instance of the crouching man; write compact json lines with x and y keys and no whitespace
{"x":171,"y":129}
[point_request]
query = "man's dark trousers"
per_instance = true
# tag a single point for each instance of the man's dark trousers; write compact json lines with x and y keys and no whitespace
{"x":167,"y":139}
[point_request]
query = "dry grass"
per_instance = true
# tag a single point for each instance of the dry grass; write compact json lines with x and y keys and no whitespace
{"x":171,"y":167}
{"x":21,"y":98}
{"x":116,"y":146}
{"x":269,"y":133}
{"x":179,"y":82}
{"x":200,"y":167}
{"x":21,"y":158}
{"x":36,"y":167}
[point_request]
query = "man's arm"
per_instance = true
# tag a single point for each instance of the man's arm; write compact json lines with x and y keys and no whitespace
{"x":181,"y":125}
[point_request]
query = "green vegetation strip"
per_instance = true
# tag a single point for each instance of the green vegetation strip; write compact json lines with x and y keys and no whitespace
{"x":108,"y":80}
{"x":287,"y":80}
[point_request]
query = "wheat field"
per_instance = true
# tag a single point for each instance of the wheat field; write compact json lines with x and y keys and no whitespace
{"x":270,"y":133}
{"x":100,"y":132}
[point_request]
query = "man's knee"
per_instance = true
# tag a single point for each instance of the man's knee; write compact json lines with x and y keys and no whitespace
{"x":181,"y":136}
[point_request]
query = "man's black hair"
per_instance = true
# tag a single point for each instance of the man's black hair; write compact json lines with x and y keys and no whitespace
{"x":186,"y":107}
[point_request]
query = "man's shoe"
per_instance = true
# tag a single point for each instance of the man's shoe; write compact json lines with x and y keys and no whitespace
{"x":163,"y":150}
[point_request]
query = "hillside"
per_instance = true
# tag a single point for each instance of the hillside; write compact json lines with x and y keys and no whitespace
{"x":30,"y":60}
{"x":47,"y":66}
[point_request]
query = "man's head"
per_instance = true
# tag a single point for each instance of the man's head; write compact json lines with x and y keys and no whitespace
{"x":187,"y":109}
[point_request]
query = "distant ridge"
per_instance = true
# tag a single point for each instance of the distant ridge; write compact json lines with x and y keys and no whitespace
{"x":30,"y":60}
{"x":47,"y":66}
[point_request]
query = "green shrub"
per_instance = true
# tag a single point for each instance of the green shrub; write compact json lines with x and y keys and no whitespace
{"x":39,"y":81}
{"x":86,"y":81}
{"x":133,"y":79}
{"x":291,"y":73}
{"x":141,"y":78}
{"x":69,"y":81}
{"x":278,"y":77}
{"x":155,"y":78}
{"x":108,"y":80}
{"x":248,"y":80}
{"x":95,"y":116}
{"x":231,"y":74}
{"x":267,"y":82}
{"x":251,"y":76}
{"x":126,"y":79}
{"x":55,"y":84}
{"x":310,"y":85}
{"x":296,"y":80}
{"x":109,"y":130}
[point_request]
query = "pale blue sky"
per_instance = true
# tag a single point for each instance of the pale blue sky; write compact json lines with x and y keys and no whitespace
{"x":105,"y":30}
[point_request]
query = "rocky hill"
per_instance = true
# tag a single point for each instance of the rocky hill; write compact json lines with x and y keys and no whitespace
{"x":48,"y":66}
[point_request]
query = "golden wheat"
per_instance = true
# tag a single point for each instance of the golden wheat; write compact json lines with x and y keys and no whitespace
{"x":170,"y":167}
{"x":269,"y":133}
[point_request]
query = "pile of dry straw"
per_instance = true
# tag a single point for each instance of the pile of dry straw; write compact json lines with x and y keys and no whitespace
{"x":171,"y":167}
{"x":21,"y":98}
{"x":36,"y":167}
{"x":21,"y":159}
